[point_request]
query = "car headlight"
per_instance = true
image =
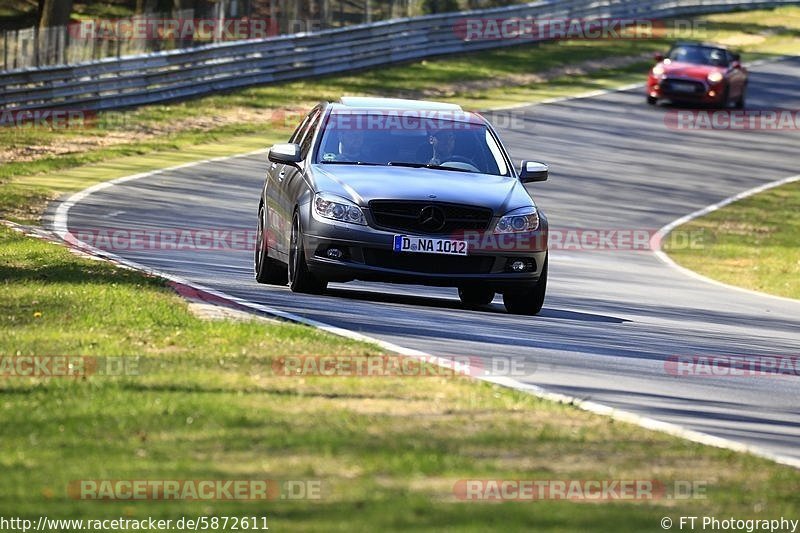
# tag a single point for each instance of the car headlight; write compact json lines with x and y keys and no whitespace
{"x":518,"y":221}
{"x":338,"y":208}
{"x":714,"y":77}
{"x":658,"y":70}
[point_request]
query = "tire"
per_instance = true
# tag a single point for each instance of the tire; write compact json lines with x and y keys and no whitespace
{"x":652,"y":100}
{"x":267,"y":270}
{"x":741,"y":102}
{"x":726,"y":98}
{"x":475,"y":296}
{"x":300,"y":279}
{"x":527,"y":301}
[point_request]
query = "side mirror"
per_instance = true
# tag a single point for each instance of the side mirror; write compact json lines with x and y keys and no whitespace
{"x":659,"y":57}
{"x":532,"y":171}
{"x":286,"y":153}
{"x":735,"y":64}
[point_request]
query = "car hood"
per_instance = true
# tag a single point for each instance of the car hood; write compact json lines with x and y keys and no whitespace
{"x":362,"y":184}
{"x":690,"y":70}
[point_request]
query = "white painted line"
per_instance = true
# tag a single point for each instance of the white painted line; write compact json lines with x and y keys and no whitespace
{"x":61,"y":227}
{"x":658,"y":238}
{"x":556,"y":100}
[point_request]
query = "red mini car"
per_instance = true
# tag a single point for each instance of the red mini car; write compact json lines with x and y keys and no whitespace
{"x":698,"y":74}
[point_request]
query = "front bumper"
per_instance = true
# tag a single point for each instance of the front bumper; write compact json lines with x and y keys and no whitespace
{"x":367,"y":254}
{"x":705,"y":93}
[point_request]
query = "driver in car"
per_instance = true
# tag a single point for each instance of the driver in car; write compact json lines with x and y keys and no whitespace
{"x":443,"y":143}
{"x":351,"y":143}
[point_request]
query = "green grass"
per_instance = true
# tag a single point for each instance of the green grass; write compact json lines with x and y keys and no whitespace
{"x":753,"y":243}
{"x":206,"y":405}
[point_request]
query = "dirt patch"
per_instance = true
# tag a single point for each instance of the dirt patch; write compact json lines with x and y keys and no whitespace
{"x":121,"y":128}
{"x":74,"y":144}
{"x":742,"y":40}
{"x":522,"y":80}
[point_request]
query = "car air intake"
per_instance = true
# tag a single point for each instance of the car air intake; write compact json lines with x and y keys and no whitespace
{"x":428,"y":263}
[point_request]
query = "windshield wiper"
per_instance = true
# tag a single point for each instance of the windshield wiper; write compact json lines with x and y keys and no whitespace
{"x":425,"y":165}
{"x":349,"y":163}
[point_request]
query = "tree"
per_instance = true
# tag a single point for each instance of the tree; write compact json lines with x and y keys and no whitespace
{"x":54,"y":13}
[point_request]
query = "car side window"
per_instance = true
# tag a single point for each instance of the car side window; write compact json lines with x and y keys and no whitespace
{"x":308,"y":134}
{"x":300,"y":131}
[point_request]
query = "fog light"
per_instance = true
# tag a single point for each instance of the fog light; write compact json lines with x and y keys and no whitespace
{"x":334,"y":253}
{"x":514,"y":264}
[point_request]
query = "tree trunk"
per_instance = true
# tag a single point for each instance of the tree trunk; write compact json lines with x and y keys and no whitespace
{"x":55,"y":13}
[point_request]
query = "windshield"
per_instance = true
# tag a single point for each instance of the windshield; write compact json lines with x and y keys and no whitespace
{"x":462,"y":144}
{"x":699,"y":55}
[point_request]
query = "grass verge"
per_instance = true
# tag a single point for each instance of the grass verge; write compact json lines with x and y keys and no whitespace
{"x":753,"y":243}
{"x":205,"y":404}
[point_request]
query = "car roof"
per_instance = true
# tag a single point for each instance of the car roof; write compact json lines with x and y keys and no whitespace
{"x":368,"y":102}
{"x":401,"y":107}
{"x":704,"y":45}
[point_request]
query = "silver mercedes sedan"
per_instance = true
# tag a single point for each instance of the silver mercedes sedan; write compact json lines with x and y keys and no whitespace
{"x":402,"y":191}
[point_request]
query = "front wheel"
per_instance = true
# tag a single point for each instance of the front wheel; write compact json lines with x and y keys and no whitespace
{"x":475,"y":296}
{"x":740,"y":103}
{"x":267,"y":270}
{"x":652,"y":100}
{"x":300,"y":279}
{"x":528,"y":301}
{"x":726,"y":98}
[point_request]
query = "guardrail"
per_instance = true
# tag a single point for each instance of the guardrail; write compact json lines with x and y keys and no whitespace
{"x":179,"y":74}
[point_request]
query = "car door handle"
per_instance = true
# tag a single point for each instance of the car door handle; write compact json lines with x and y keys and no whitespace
{"x":274,"y":166}
{"x":281,"y":175}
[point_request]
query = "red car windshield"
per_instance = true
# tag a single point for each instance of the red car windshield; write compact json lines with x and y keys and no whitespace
{"x":699,"y":55}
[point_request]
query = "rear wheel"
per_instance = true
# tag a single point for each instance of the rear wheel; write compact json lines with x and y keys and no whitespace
{"x":267,"y":270}
{"x":527,"y":301}
{"x":652,"y":100}
{"x":475,"y":296}
{"x":300,"y":279}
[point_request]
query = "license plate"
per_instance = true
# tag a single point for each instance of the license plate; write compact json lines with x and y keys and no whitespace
{"x":425,"y":245}
{"x":682,"y":87}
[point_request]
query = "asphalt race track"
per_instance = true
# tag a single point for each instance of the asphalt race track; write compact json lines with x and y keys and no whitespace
{"x":612,"y":319}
